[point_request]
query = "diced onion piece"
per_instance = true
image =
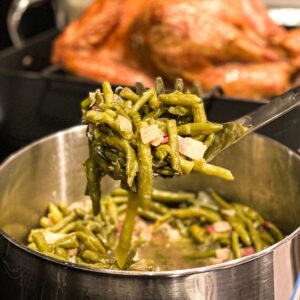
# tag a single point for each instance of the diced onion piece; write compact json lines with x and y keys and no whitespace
{"x":247,"y":251}
{"x":191,"y":148}
{"x":223,"y":253}
{"x":222,"y":226}
{"x":52,"y":238}
{"x":228,"y":212}
{"x":150,"y":133}
{"x":125,"y":125}
{"x":158,"y":141}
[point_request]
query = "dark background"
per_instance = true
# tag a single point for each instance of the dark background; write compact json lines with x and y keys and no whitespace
{"x":36,"y":20}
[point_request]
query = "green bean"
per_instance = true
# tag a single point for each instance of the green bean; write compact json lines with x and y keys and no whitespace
{"x":119,"y":192}
{"x":199,"y":128}
{"x":63,"y":206}
{"x":171,"y":197}
{"x":254,"y":236}
{"x":178,"y":98}
{"x":179,"y":110}
{"x":199,"y":113}
{"x":267,"y":237}
{"x":124,"y":243}
{"x":275,"y":232}
{"x":86,"y":103}
{"x":93,"y":256}
{"x":249,"y":212}
{"x":242,"y":232}
{"x":164,"y":219}
{"x":219,"y":200}
{"x":54,"y":214}
{"x":187,"y":166}
{"x":204,"y":254}
{"x":154,"y":114}
{"x":208,"y":169}
{"x":62,"y":223}
{"x":107,"y":92}
{"x":145,"y":173}
{"x":222,"y":237}
{"x":45,"y":222}
{"x":158,"y":208}
{"x":198,"y":233}
{"x":93,"y":183}
{"x":235,"y":245}
{"x":148,"y":214}
{"x":145,"y":97}
{"x":112,"y":212}
{"x":154,"y":102}
{"x":68,"y":242}
{"x":173,"y":142}
{"x":129,"y":94}
{"x":33,"y":246}
{"x":196,"y":212}
{"x":131,"y":160}
{"x":163,"y":150}
{"x":61,"y":252}
{"x":40,"y":242}
{"x":209,"y":140}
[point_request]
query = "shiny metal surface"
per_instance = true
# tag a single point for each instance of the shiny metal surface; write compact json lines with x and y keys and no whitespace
{"x":253,"y":121}
{"x":267,"y":178}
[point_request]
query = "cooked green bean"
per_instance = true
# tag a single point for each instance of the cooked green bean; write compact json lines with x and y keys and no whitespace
{"x":235,"y":245}
{"x":171,"y":197}
{"x":178,"y":98}
{"x":219,"y":200}
{"x":208,"y":169}
{"x":275,"y":232}
{"x":242,"y":232}
{"x":107,"y":241}
{"x":124,"y":243}
{"x":145,"y":173}
{"x":199,"y":113}
{"x":129,"y":94}
{"x":173,"y":142}
{"x":40,"y":242}
{"x":107,"y":92}
{"x":198,"y":212}
{"x":199,"y":128}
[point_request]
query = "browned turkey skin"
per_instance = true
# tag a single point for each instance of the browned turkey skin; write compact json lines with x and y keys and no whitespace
{"x":232,"y":43}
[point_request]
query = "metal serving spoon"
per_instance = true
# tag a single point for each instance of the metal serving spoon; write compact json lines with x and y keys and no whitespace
{"x":236,"y":130}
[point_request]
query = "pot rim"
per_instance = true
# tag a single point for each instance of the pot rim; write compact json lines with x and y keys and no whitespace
{"x":168,"y":274}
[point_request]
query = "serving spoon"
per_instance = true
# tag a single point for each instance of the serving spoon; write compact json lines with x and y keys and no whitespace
{"x":236,"y":130}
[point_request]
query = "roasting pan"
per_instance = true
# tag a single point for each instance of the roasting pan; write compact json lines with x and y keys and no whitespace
{"x":37,"y":98}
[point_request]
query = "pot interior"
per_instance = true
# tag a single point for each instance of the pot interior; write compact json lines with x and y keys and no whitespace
{"x":266,"y":178}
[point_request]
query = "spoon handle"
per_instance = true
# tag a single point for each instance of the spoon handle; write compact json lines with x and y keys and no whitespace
{"x":271,"y":111}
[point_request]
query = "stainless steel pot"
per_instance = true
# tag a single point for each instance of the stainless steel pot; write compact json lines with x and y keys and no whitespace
{"x":267,"y":178}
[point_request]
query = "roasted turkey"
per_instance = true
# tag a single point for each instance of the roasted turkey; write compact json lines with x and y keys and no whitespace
{"x":231,"y":43}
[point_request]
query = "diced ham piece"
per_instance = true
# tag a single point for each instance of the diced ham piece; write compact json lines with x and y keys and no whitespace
{"x":247,"y":251}
{"x":157,"y":141}
{"x":52,"y":238}
{"x":228,"y":212}
{"x":222,"y":226}
{"x":125,"y":125}
{"x":151,"y":133}
{"x":191,"y":148}
{"x":210,"y":229}
{"x":223,"y":254}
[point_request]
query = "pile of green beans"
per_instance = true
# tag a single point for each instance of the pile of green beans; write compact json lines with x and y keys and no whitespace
{"x":74,"y":234}
{"x":115,"y":121}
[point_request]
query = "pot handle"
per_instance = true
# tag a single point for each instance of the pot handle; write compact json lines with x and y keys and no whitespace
{"x":16,"y":12}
